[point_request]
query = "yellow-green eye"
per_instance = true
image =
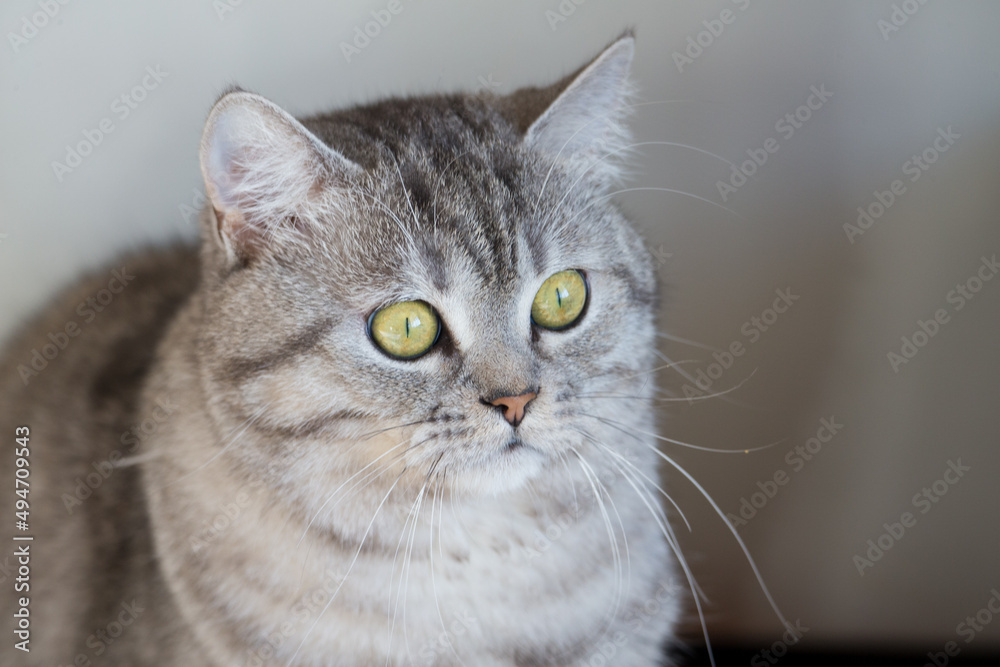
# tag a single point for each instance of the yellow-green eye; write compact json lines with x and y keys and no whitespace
{"x":560,"y":301}
{"x":405,"y":330}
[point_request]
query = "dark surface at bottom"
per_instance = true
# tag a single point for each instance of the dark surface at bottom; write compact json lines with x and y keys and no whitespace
{"x":732,"y":656}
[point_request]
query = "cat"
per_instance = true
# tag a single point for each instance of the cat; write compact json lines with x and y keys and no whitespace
{"x":376,"y":418}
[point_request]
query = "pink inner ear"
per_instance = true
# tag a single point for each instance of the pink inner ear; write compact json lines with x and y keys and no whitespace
{"x":228,"y":171}
{"x":263,"y":171}
{"x":247,"y":240}
{"x":229,"y":168}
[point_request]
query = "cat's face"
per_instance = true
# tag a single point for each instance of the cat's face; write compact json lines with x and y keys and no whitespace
{"x":461,"y":209}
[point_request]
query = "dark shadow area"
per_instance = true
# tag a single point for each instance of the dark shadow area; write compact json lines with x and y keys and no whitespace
{"x":731,"y":655}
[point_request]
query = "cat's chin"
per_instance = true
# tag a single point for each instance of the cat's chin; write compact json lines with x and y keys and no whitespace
{"x":508,"y":468}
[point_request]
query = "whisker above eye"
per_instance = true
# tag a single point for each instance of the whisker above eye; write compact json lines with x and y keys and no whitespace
{"x":437,"y":186}
{"x":391,"y":214}
{"x":649,"y":188}
{"x":655,"y":188}
{"x":667,"y":143}
{"x":406,"y":193}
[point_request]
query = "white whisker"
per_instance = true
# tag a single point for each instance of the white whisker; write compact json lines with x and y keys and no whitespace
{"x":615,"y":423}
{"x":233,"y":437}
{"x":337,"y":490}
{"x":725,"y":520}
{"x":621,"y":584}
{"x":685,"y":341}
{"x":349,"y":568}
{"x":693,"y":381}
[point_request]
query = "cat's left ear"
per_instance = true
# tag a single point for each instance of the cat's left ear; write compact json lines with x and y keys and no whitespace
{"x":586,"y":121}
{"x":267,"y":176}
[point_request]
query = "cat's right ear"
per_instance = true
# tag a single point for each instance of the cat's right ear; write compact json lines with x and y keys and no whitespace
{"x":266,"y":175}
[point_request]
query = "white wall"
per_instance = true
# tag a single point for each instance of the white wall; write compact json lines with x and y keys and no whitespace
{"x":826,"y":356}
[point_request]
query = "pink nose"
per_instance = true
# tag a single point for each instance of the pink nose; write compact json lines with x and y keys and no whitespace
{"x":513,"y":406}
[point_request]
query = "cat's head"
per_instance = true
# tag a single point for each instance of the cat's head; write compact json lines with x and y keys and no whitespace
{"x":435,"y":283}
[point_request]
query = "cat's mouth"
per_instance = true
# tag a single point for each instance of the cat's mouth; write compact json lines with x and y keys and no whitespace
{"x":515,"y":443}
{"x":516,"y":451}
{"x":518,"y":446}
{"x":487,"y":464}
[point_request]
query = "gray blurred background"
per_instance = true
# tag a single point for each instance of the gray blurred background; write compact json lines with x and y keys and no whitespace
{"x":910,"y":92}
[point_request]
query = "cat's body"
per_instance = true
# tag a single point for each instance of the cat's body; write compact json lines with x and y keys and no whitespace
{"x":299,"y":492}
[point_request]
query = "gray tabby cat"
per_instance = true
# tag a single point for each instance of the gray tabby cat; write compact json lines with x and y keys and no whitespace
{"x":376,"y":419}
